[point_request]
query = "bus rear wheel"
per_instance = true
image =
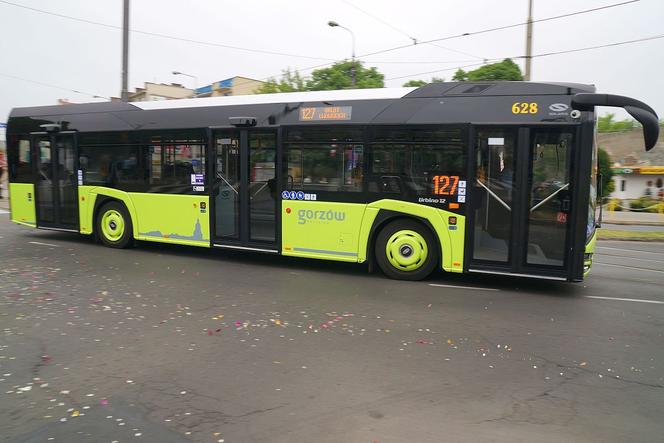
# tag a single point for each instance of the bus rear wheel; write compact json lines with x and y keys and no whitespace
{"x":114,"y":227}
{"x":406,"y":250}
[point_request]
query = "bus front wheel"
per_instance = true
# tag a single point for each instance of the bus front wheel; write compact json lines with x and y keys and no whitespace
{"x":406,"y":250}
{"x":114,"y":227}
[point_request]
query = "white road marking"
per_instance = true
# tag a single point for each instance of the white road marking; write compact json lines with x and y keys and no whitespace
{"x":627,"y":267}
{"x":632,"y":258}
{"x":638,"y":300}
{"x":3,"y":211}
{"x":463,"y":287}
{"x":630,"y":250}
{"x":43,"y":244}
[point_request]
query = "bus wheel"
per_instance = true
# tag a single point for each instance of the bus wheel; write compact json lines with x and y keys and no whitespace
{"x":406,"y":250}
{"x":114,"y":225}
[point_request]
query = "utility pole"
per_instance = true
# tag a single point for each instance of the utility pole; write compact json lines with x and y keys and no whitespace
{"x":529,"y":40}
{"x":124,"y":95}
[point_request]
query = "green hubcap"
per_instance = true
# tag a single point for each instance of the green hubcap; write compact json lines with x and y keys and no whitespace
{"x":406,"y":250}
{"x":112,"y":225}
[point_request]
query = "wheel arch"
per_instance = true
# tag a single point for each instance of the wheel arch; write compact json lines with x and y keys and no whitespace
{"x":386,"y":216}
{"x":103,"y":196}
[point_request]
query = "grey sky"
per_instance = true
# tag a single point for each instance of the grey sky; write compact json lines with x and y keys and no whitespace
{"x":87,"y":57}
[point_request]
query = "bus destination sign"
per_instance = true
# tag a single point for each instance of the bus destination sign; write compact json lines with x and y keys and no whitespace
{"x":325,"y":113}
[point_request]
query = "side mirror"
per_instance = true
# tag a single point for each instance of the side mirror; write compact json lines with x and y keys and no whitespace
{"x":643,"y":113}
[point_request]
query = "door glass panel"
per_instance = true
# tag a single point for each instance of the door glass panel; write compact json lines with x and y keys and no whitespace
{"x":227,"y":186}
{"x":549,"y":197}
{"x":66,"y":180}
{"x":45,"y":203}
{"x":262,"y":186}
{"x":494,"y":194}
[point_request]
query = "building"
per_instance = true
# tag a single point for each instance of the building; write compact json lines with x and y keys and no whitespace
{"x":632,"y":182}
{"x":160,"y":91}
{"x":231,"y":86}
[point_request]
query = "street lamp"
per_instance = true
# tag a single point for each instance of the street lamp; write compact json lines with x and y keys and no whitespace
{"x":334,"y":24}
{"x":189,"y":75}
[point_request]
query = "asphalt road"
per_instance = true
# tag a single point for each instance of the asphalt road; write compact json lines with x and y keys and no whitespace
{"x":172,"y":344}
{"x":641,"y":228}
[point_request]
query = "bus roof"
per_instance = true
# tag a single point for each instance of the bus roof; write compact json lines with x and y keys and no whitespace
{"x":433,"y":90}
{"x":464,"y":102}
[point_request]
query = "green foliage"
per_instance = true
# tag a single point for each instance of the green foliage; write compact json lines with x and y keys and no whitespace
{"x":460,"y":76}
{"x":605,"y":169}
{"x":643,"y":203}
{"x":415,"y":83}
{"x":418,"y":83}
{"x":290,"y":82}
{"x":339,"y":76}
{"x":505,"y":70}
{"x":606,"y":123}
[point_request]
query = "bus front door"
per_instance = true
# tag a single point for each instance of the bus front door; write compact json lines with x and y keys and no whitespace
{"x":522,"y":199}
{"x":56,"y":181}
{"x":244,"y":191}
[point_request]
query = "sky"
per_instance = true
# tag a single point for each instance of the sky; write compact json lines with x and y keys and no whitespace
{"x":45,"y":57}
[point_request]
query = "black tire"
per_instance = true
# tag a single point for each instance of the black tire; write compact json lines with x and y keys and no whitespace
{"x":113,"y":225}
{"x":412,"y":253}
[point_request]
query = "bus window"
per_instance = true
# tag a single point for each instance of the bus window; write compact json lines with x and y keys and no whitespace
{"x":325,"y":159}
{"x":19,"y":155}
{"x":116,"y":166}
{"x":405,"y":160}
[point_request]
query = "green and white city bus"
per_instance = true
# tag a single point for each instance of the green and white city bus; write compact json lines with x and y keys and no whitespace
{"x":491,"y":177}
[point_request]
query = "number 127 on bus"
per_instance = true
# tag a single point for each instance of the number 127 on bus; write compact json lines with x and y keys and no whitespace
{"x":445,"y":184}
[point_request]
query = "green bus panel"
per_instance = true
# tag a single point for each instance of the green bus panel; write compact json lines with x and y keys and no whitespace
{"x":22,"y":203}
{"x":340,"y":231}
{"x":325,"y":230}
{"x":168,"y":218}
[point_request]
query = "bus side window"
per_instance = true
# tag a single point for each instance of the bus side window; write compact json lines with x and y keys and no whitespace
{"x":19,"y":157}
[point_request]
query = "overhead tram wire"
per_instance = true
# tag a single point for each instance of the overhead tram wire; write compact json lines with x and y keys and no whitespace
{"x":166,"y":36}
{"x":546,"y":54}
{"x":467,"y":34}
{"x":331,"y":62}
{"x":402,"y":32}
{"x":49,"y":85}
{"x":626,"y":42}
{"x":483,"y":31}
{"x":500,"y":28}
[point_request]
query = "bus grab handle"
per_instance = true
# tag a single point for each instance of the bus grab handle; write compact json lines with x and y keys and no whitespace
{"x":643,"y":113}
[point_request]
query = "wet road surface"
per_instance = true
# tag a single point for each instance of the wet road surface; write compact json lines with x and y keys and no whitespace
{"x":171,"y":344}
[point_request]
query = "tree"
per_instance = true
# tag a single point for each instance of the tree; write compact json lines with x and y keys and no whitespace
{"x":605,"y":169}
{"x":505,"y":70}
{"x":606,"y":123}
{"x":460,"y":76}
{"x":418,"y":83}
{"x":414,"y":83}
{"x":290,"y":82}
{"x":339,"y":76}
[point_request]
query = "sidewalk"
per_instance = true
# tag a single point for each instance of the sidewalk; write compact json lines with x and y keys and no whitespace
{"x":632,"y":218}
{"x":4,"y":201}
